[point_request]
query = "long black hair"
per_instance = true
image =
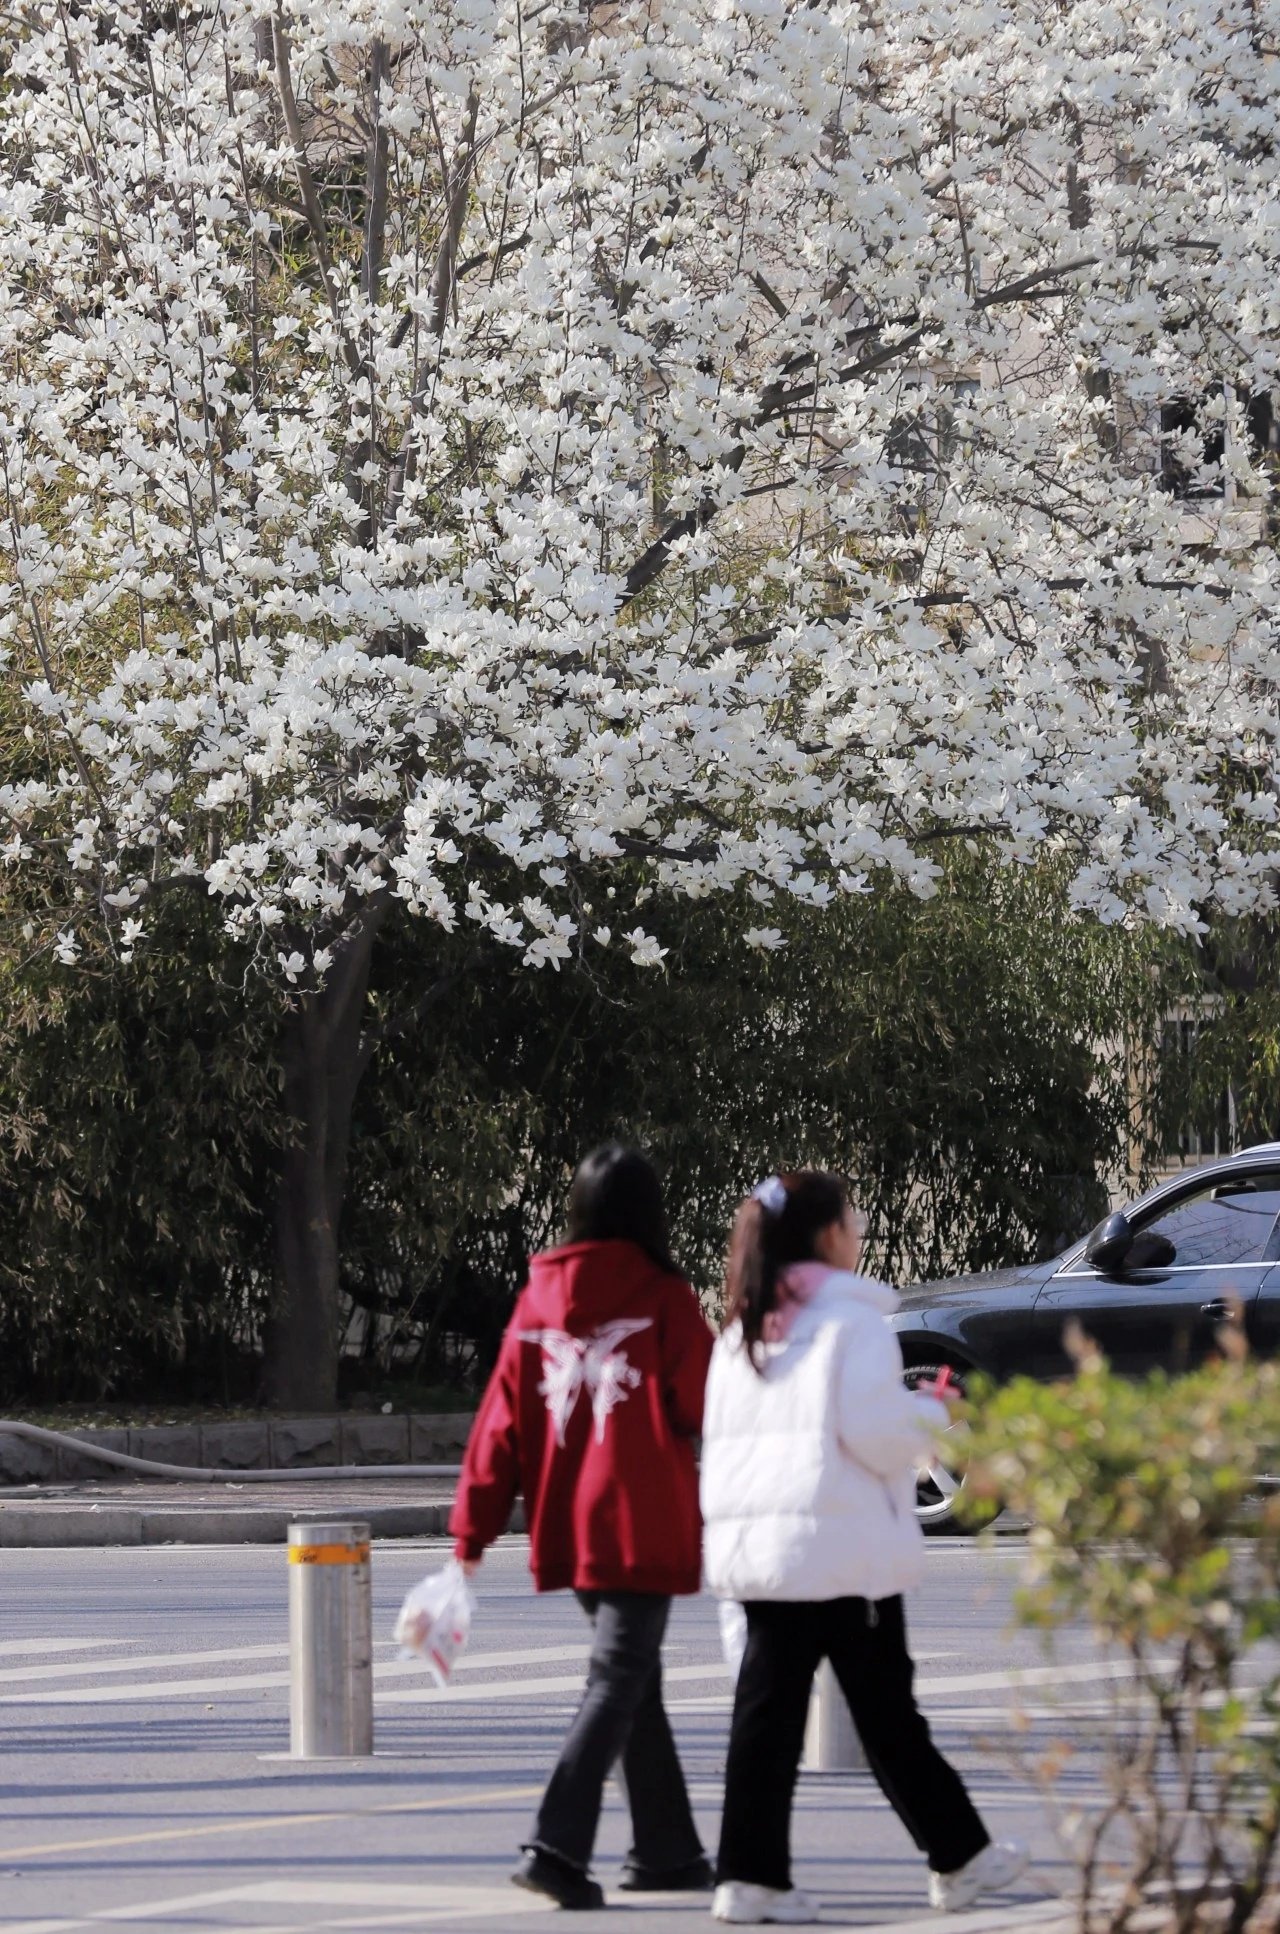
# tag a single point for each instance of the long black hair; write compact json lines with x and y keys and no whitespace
{"x":616,"y":1197}
{"x":771,"y":1233}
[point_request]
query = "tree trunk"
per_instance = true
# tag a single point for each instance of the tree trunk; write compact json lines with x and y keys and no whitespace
{"x":325,"y":1056}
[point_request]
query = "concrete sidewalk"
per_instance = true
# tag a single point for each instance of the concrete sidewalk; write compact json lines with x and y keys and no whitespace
{"x":55,"y":1515}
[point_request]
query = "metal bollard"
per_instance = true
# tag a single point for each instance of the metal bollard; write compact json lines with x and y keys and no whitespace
{"x":330,"y":1642}
{"x":831,"y":1743}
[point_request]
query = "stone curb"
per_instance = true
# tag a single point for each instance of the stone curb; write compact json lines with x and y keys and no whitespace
{"x":269,"y":1443}
{"x":78,"y":1526}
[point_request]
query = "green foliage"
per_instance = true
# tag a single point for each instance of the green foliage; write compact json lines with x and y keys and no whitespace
{"x":1138,"y":1493}
{"x":955,"y":1056}
{"x":1236,"y":1046}
{"x":138,"y":1118}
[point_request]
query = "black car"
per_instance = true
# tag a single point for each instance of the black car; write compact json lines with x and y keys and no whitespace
{"x":1151,"y":1285}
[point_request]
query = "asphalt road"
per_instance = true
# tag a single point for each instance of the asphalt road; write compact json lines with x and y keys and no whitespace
{"x":143,"y":1715}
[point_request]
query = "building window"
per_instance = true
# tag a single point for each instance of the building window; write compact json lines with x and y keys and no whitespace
{"x":1192,"y":446}
{"x":909,"y":444}
{"x":925,"y":437}
{"x":1193,"y":442}
{"x":1198,"y":1127}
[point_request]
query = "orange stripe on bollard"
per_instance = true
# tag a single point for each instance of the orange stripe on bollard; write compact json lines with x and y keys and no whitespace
{"x":328,"y":1554}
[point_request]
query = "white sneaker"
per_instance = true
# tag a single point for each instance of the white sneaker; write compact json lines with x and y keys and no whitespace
{"x":997,"y":1866}
{"x":747,"y":1905}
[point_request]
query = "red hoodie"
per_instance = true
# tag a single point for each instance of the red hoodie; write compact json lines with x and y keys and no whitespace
{"x":591,"y":1413}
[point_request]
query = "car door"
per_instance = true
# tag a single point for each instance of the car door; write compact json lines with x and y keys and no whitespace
{"x":1223,"y":1232}
{"x":1264,"y":1334}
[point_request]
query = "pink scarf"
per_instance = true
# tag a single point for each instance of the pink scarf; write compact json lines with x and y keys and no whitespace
{"x":796,"y":1287}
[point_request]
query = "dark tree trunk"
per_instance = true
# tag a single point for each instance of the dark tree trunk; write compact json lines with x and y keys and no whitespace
{"x":325,"y":1057}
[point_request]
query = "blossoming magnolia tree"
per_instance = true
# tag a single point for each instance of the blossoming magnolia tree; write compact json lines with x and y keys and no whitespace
{"x":455,"y":442}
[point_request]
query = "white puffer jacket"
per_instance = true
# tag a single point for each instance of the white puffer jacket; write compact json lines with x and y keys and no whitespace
{"x":807,"y":1466}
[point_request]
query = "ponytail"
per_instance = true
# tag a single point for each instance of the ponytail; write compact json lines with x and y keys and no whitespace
{"x":775,"y":1227}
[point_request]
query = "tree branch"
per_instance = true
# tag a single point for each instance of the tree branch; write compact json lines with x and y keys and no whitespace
{"x":376,"y":174}
{"x":307,"y":186}
{"x":776,"y":400}
{"x":443,"y":279}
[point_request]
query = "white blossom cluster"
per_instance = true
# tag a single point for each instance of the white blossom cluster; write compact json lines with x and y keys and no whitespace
{"x":445,"y":442}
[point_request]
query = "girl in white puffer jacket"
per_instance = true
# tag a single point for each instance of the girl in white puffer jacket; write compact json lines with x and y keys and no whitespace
{"x":810,"y":1443}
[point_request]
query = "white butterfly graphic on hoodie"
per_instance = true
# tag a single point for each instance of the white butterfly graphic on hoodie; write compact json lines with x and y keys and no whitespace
{"x":595,"y":1363}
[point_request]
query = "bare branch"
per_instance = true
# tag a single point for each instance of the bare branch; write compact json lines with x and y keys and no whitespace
{"x":777,"y":399}
{"x":307,"y":185}
{"x":443,"y":279}
{"x":376,"y":169}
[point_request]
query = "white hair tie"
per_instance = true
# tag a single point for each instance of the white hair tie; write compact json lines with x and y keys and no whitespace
{"x":771,"y":1194}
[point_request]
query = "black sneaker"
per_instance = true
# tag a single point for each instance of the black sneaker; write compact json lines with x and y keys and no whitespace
{"x":567,"y":1886}
{"x":694,"y":1877}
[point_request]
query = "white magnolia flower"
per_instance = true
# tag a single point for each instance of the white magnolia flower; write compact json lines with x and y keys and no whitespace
{"x":849,"y":487}
{"x":645,"y":951}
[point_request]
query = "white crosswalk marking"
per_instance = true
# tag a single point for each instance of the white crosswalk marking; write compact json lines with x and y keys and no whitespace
{"x":522,"y":1688}
{"x":232,"y":1655}
{"x":375,"y":1904}
{"x":476,"y":1685}
{"x":150,"y":1790}
{"x":140,"y":1662}
{"x":334,"y":1906}
{"x":238,"y":1682}
{"x":15,"y":1648}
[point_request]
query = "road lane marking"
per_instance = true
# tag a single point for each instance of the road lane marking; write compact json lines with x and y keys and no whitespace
{"x":211,"y":1829}
{"x":11,"y":1648}
{"x":1011,"y":1680}
{"x":260,"y":1681}
{"x":141,"y":1662}
{"x":425,"y":1901}
{"x":228,"y":1685}
{"x":1043,"y":1914}
{"x":519,"y":1688}
{"x":428,"y":1695}
{"x":233,"y":1682}
{"x":1014,"y":1678}
{"x":394,"y":1904}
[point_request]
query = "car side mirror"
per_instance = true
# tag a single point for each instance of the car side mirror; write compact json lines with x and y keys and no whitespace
{"x":1109,"y":1244}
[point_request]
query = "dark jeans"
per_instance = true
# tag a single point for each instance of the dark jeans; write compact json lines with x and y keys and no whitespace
{"x":866,"y":1643}
{"x":621,"y":1719}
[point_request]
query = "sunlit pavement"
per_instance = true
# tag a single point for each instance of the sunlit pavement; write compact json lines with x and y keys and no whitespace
{"x":143,"y":1719}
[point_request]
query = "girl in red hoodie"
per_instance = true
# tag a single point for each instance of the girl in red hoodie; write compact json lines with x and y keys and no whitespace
{"x":591,"y":1414}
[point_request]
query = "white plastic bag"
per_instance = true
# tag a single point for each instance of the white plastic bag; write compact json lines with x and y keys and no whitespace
{"x":435,"y":1620}
{"x":733,"y":1634}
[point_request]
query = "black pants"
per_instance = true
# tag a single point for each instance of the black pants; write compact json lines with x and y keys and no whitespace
{"x":866,"y":1642}
{"x":621,"y":1719}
